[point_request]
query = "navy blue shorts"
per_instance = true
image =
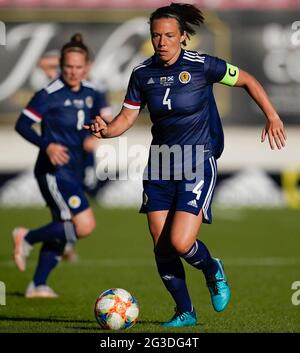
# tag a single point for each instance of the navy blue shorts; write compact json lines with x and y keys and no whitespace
{"x":182,"y":195}
{"x":65,"y":198}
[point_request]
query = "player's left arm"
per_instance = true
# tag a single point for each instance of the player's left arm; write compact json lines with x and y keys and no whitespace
{"x":274,"y":128}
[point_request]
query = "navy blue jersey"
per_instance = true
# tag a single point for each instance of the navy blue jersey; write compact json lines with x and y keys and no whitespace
{"x":62,"y":112}
{"x":180,"y":100}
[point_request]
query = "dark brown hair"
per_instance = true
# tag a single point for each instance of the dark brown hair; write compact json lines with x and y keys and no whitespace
{"x":185,"y":14}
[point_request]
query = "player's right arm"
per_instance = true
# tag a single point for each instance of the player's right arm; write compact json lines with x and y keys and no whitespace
{"x":121,"y":123}
{"x":127,"y":116}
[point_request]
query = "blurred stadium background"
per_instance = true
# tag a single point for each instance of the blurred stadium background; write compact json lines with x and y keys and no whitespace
{"x":252,"y":34}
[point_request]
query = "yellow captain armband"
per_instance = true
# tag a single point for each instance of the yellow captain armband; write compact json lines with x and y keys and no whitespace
{"x":231,"y":76}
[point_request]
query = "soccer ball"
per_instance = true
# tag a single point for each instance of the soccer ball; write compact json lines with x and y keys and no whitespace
{"x":116,"y":309}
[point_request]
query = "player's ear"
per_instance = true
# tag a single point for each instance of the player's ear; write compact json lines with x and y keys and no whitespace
{"x":183,"y":37}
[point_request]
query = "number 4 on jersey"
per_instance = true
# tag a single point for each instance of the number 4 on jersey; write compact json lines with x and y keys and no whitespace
{"x":167,"y":101}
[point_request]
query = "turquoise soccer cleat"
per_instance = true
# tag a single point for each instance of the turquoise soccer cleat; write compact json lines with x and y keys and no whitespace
{"x":218,"y":288}
{"x":182,"y":319}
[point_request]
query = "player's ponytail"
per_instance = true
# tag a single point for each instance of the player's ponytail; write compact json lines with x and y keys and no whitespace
{"x":185,"y":14}
{"x":76,"y":44}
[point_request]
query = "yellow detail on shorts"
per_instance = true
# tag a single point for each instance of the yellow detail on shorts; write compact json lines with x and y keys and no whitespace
{"x":231,"y":76}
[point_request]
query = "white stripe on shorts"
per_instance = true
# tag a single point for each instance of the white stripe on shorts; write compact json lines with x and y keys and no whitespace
{"x":65,"y":213}
{"x":211,"y":187}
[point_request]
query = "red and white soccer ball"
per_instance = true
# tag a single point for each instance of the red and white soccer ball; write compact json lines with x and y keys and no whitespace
{"x":116,"y":309}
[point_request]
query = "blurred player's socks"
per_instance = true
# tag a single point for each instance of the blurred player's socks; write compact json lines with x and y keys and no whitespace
{"x":199,"y":257}
{"x":172,"y":273}
{"x":50,"y":255}
{"x":55,"y":232}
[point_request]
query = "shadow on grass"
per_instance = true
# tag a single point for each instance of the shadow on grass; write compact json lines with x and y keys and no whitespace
{"x":41,"y":319}
{"x":15,"y":294}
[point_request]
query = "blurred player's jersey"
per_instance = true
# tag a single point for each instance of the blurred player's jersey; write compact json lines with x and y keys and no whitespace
{"x":180,"y":100}
{"x":62,"y":112}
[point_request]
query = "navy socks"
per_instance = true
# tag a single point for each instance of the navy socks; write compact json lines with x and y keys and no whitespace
{"x":50,"y":255}
{"x":55,"y":232}
{"x":172,"y":274}
{"x":54,"y":237}
{"x":199,"y":257}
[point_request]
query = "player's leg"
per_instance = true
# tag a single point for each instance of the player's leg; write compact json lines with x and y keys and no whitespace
{"x":158,"y":198}
{"x":184,"y":239}
{"x":170,"y":269}
{"x":59,"y":231}
{"x":193,"y":207}
{"x":50,"y":256}
{"x":51,"y":253}
{"x":184,"y":231}
{"x":84,"y":222}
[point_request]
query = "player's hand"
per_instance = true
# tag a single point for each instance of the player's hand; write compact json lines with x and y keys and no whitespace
{"x":98,"y":128}
{"x":58,"y":154}
{"x":274,"y":129}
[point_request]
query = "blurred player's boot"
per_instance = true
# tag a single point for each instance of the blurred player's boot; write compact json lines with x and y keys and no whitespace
{"x":182,"y":319}
{"x":218,"y":288}
{"x":70,"y":253}
{"x":41,"y":291}
{"x":22,"y":248}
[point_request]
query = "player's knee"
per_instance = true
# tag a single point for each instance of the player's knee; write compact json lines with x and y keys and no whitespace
{"x":181,"y":246}
{"x":85,"y":229}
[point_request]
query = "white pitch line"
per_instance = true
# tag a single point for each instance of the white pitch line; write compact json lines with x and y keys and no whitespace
{"x":232,"y":262}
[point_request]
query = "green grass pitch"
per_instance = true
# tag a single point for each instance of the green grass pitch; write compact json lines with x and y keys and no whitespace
{"x":260,"y":250}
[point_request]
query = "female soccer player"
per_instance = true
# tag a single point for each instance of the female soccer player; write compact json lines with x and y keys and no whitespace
{"x":49,"y":63}
{"x":62,"y":108}
{"x":176,"y":85}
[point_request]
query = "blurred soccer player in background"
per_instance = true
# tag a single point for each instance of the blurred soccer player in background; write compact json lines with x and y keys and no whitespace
{"x":49,"y":63}
{"x":62,"y":108}
{"x":176,"y":85}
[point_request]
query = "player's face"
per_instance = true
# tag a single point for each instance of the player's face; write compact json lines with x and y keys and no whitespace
{"x":167,"y":39}
{"x":74,"y":69}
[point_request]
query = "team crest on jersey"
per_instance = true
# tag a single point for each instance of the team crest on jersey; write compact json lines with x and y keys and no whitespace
{"x":185,"y":77}
{"x":74,"y":201}
{"x":166,"y":80}
{"x":89,"y":102}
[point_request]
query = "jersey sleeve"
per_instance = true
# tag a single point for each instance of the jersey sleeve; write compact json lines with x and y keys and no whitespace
{"x":37,"y":106}
{"x":218,"y":70}
{"x":133,"y":98}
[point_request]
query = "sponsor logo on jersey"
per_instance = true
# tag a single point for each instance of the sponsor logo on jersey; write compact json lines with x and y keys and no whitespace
{"x":89,"y":102}
{"x":74,"y":201}
{"x":150,"y":81}
{"x":67,"y":103}
{"x":193,"y":203}
{"x":79,"y":103}
{"x":185,"y":77}
{"x":166,"y":80}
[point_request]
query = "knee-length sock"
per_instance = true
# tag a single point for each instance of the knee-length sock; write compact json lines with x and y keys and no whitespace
{"x":50,"y":255}
{"x":172,"y":273}
{"x":56,"y":232}
{"x":199,"y":257}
